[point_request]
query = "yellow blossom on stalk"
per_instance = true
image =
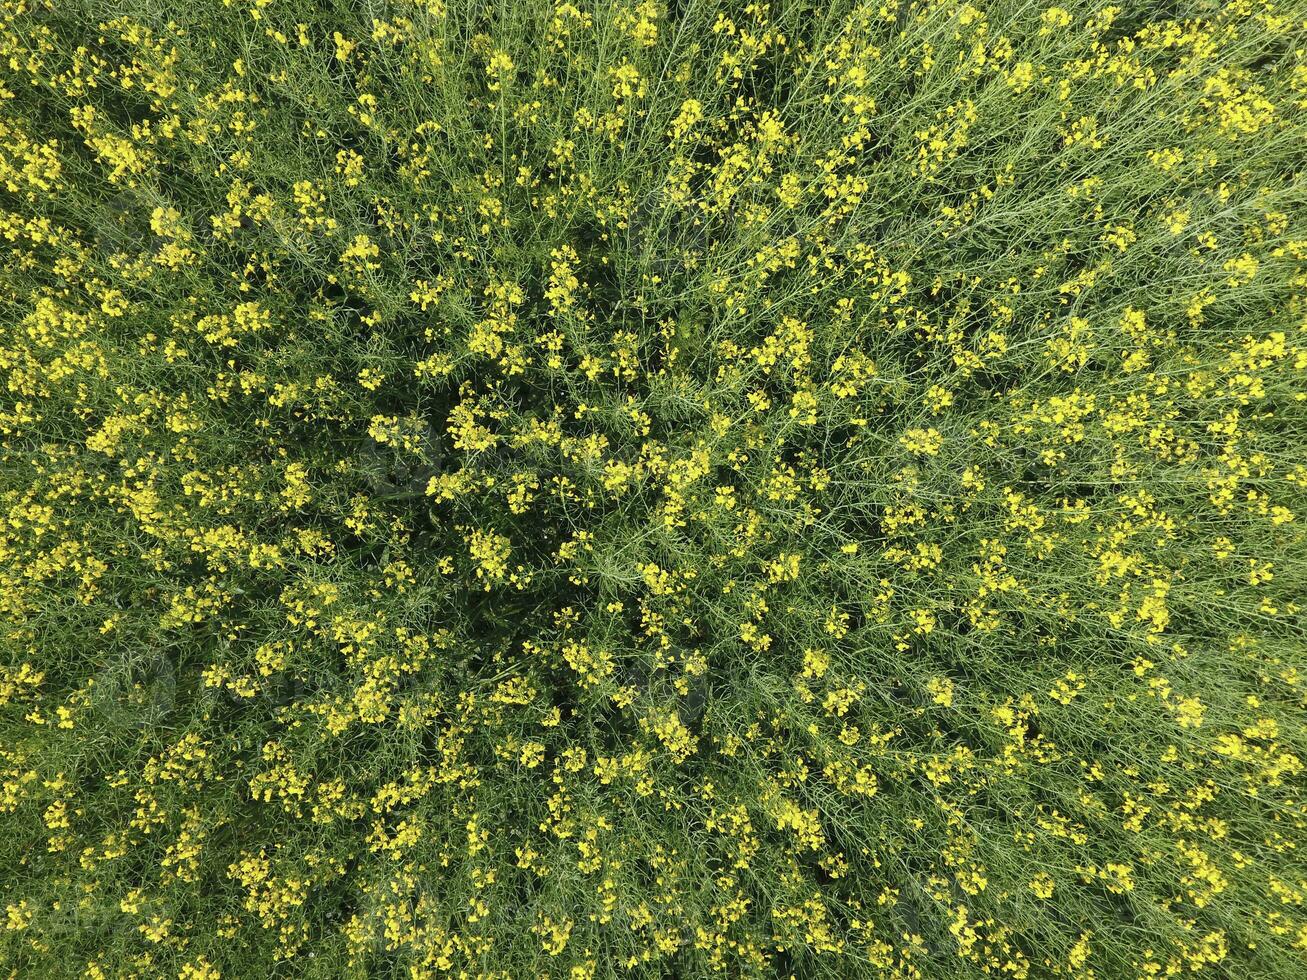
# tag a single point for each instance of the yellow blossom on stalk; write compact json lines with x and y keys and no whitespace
{"x":941,"y":690}
{"x":199,"y":969}
{"x":532,"y":754}
{"x":627,"y":82}
{"x":1190,"y":712}
{"x":498,"y":68}
{"x":691,"y":112}
{"x":1042,"y":886}
{"x":923,"y":442}
{"x":18,"y":917}
{"x":553,"y":934}
{"x":489,"y":553}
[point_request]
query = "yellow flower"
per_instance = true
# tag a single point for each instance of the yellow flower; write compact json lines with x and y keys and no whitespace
{"x":1042,"y":885}
{"x":489,"y":552}
{"x":922,"y":442}
{"x":941,"y":689}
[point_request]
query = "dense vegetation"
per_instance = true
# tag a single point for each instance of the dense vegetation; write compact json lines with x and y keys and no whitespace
{"x":664,"y":488}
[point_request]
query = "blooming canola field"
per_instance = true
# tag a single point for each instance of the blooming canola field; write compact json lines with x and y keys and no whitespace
{"x":653,"y":488}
